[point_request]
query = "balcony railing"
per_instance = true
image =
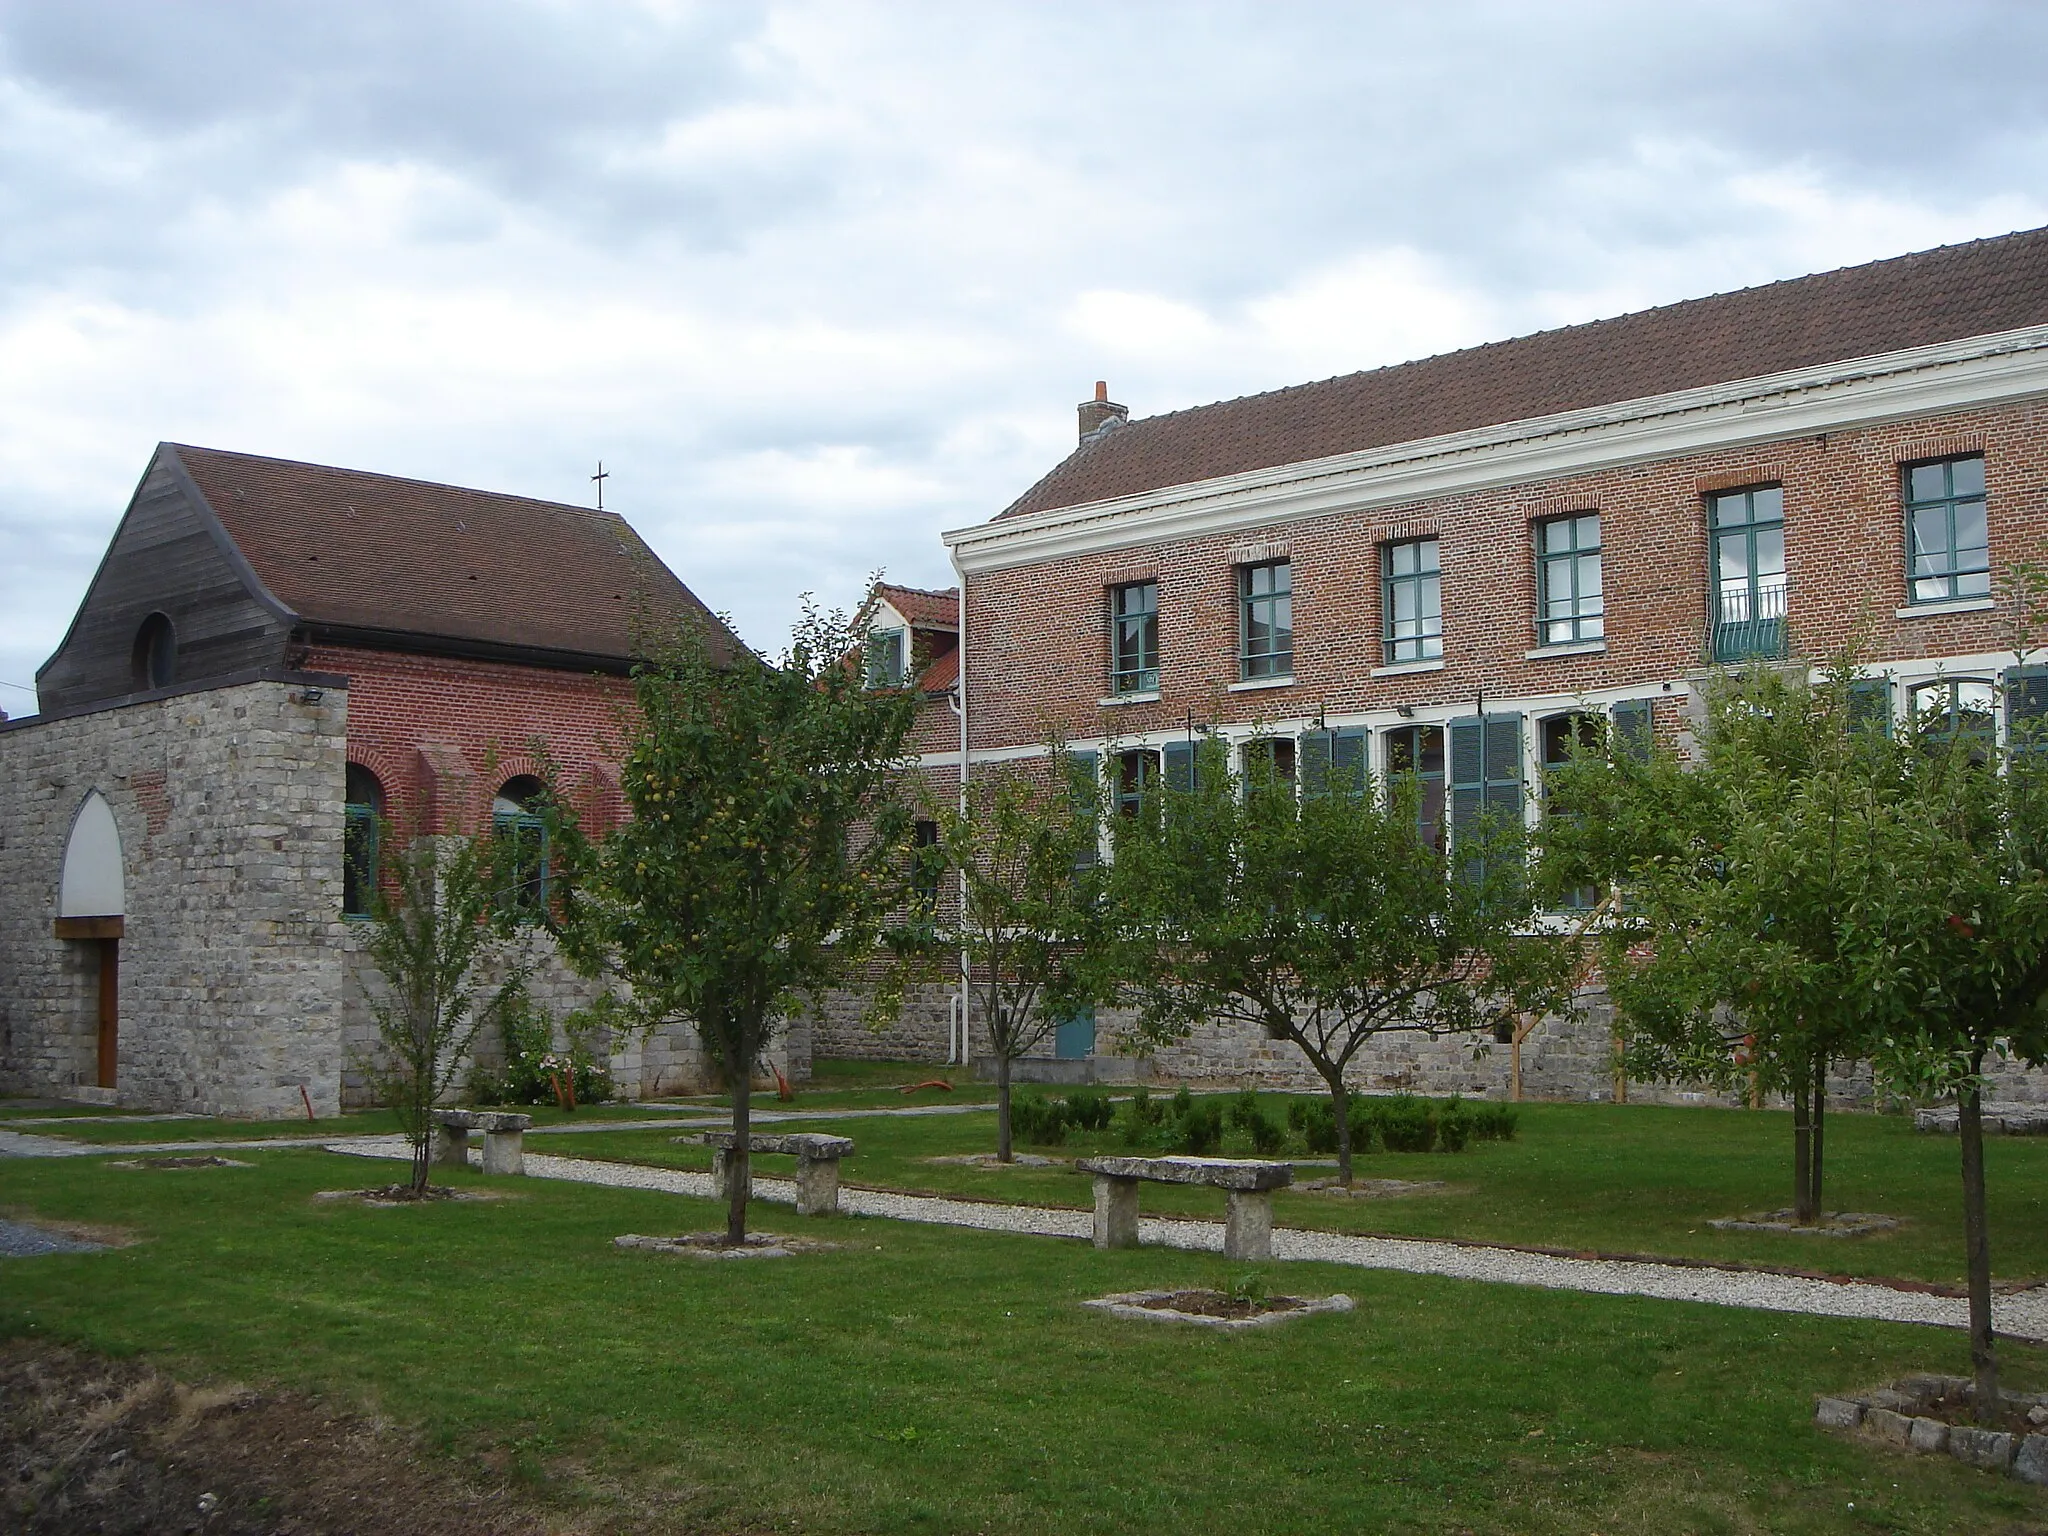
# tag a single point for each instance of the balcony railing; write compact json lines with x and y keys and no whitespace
{"x":1747,"y":623}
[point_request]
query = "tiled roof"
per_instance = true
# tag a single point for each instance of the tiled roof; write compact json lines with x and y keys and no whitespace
{"x":1886,"y":306}
{"x":923,"y":607}
{"x":942,"y":674}
{"x":343,"y":547}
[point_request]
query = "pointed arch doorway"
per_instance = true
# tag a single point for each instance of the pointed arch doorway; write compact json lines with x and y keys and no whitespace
{"x":91,"y":909}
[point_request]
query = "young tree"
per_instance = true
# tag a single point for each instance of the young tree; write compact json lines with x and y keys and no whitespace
{"x":1023,"y":856}
{"x":1324,"y":919}
{"x":453,"y":957}
{"x":768,"y":841}
{"x":1730,"y":960}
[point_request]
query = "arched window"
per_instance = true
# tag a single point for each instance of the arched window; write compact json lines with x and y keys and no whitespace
{"x":155,"y":663}
{"x":361,"y":829}
{"x":516,"y":820}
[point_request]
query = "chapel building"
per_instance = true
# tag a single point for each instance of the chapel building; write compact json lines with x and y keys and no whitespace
{"x":274,"y":661}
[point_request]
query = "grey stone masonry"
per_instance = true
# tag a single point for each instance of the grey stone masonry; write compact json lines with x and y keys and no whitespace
{"x":817,"y":1165}
{"x":228,"y":801}
{"x":1248,"y":1219}
{"x":504,"y":1138}
{"x":2000,"y":1119}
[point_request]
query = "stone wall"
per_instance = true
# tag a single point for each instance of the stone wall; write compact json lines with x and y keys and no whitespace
{"x":228,"y":802}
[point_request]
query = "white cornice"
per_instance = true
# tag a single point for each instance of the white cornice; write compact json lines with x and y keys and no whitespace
{"x":1922,"y":381}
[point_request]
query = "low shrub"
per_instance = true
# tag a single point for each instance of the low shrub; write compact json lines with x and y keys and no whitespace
{"x":1491,"y":1121}
{"x":1269,"y":1136}
{"x":1200,"y":1130}
{"x":1315,"y":1122}
{"x":1038,"y":1121}
{"x":1453,"y":1125}
{"x":1404,"y":1123}
{"x":1142,"y":1115}
{"x":1244,"y":1109}
{"x":1090,"y":1111}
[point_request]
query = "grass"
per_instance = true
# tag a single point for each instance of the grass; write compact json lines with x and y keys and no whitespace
{"x":927,"y":1379}
{"x":1619,"y":1179}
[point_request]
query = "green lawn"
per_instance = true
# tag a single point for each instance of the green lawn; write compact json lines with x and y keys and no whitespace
{"x":930,"y":1379}
{"x":1616,"y":1178}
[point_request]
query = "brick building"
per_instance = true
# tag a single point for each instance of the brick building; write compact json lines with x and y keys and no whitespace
{"x":272,"y":659}
{"x":1432,"y":567}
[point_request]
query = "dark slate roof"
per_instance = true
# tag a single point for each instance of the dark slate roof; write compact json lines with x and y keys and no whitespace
{"x":352,"y":550}
{"x":1945,"y":294}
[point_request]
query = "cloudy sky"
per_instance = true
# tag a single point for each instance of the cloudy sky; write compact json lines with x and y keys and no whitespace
{"x":817,"y":281}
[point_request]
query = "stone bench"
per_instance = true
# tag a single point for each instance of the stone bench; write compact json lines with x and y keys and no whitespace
{"x":504,"y":1138}
{"x":1247,"y":1224}
{"x":817,"y":1165}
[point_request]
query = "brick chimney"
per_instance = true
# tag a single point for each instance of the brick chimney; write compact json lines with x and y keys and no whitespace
{"x":1101,"y":411}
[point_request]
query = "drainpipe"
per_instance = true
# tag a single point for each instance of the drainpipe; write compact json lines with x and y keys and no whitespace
{"x":959,"y":702}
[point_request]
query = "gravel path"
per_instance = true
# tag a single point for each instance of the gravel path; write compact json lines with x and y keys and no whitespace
{"x":19,"y":1240}
{"x":2023,"y":1316}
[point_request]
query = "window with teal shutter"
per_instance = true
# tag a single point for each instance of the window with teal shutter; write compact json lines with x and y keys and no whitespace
{"x":1135,"y":772}
{"x":1084,"y":785}
{"x":1417,"y":752}
{"x":1485,"y":774}
{"x":1870,"y":705}
{"x":1332,"y":762}
{"x":2026,"y":710}
{"x":1180,"y":766}
{"x":1634,"y":731}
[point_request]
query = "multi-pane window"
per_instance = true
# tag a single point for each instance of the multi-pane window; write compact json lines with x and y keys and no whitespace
{"x":1332,"y":762}
{"x":363,"y":816}
{"x":886,"y":658}
{"x":522,"y":833}
{"x":1568,"y":597}
{"x":1411,"y":597}
{"x":1563,"y":740}
{"x":1416,"y":752}
{"x":1949,"y":549}
{"x":1748,"y":530}
{"x":1268,"y":762}
{"x":1950,"y":707}
{"x":1134,"y":637}
{"x":926,"y":866}
{"x":1136,"y":772}
{"x":1265,"y":606}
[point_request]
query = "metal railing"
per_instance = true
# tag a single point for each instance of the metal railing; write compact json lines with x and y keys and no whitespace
{"x":1747,"y":623}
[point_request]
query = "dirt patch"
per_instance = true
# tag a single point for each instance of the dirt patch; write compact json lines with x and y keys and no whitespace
{"x":1215,"y":1309}
{"x":712,"y":1245}
{"x":178,"y":1162}
{"x":1830,"y":1224}
{"x":118,"y":1447}
{"x":403,"y":1195}
{"x":1377,"y":1189}
{"x":990,"y":1160}
{"x":94,"y":1234}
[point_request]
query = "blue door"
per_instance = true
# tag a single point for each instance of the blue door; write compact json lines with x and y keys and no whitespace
{"x":1075,"y":1038}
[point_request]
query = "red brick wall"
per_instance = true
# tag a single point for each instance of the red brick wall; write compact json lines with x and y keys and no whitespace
{"x":442,"y":735}
{"x":1038,"y":644}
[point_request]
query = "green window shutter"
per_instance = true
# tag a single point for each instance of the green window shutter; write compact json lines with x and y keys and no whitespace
{"x":1312,"y":752}
{"x":1084,"y":789}
{"x":1870,"y":705}
{"x":1633,"y":732}
{"x":1347,"y":761}
{"x":1180,"y":766}
{"x":1485,"y":769}
{"x":2026,"y":709}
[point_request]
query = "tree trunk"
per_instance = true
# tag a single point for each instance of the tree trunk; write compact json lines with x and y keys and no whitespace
{"x":1818,"y":1120}
{"x":1802,"y":1154}
{"x":1004,"y":1150}
{"x":1340,"y":1101}
{"x":422,"y":1153}
{"x":1977,"y":1243}
{"x":739,"y":1168}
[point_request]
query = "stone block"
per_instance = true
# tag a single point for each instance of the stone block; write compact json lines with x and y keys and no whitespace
{"x":1892,"y":1428}
{"x":504,"y":1152}
{"x":1929,"y":1435}
{"x":817,"y":1186}
{"x":451,"y":1145}
{"x":1116,"y":1212}
{"x":1248,"y":1226}
{"x":1988,"y":1448}
{"x":1837,"y":1412}
{"x":1898,"y":1402}
{"x":2031,"y":1464}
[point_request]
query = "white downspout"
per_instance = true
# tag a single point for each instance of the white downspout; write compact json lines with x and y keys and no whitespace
{"x":960,"y":709}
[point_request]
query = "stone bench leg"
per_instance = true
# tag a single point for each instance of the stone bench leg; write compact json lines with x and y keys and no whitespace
{"x":817,"y":1186}
{"x":504,"y":1152}
{"x":1248,"y":1225}
{"x":451,"y":1146}
{"x":721,"y":1175}
{"x":1116,"y":1212}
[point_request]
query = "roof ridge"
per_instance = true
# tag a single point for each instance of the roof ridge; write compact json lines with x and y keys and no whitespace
{"x":606,"y":513}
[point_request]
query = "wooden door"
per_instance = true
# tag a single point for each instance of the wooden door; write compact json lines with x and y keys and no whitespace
{"x":110,"y":1009}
